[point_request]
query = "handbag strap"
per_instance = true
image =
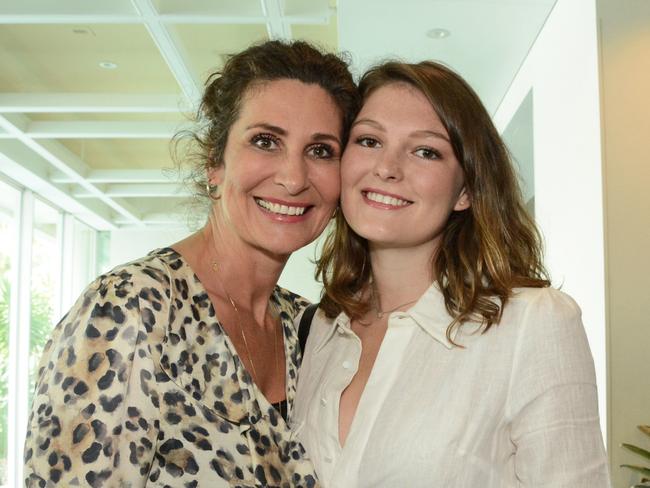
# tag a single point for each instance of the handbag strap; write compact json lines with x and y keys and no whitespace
{"x":305,"y":325}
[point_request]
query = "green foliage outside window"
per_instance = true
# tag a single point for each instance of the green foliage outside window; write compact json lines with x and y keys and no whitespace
{"x":41,"y":327}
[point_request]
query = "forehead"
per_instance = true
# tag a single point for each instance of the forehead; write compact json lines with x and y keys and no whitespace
{"x":398,"y":103}
{"x":289,"y":99}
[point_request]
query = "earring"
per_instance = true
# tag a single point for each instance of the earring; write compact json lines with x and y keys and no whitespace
{"x":210,"y":189}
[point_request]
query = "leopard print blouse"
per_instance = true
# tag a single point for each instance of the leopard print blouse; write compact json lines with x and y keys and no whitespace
{"x":141,"y":386}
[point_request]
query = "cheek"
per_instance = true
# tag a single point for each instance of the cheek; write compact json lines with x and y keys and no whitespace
{"x":327,"y":181}
{"x":352,"y":168}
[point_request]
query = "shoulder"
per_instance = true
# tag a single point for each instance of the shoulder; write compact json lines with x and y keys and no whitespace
{"x":112,"y":307}
{"x":114,"y":315}
{"x":551,"y":336}
{"x":148,"y":278}
{"x":294,"y":302}
{"x":156,"y":268}
{"x":546,"y":304}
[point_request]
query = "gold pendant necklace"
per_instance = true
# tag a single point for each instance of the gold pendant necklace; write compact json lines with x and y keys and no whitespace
{"x":233,"y":304}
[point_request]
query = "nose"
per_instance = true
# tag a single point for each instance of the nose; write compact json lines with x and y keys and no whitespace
{"x":293,"y":174}
{"x":388,"y":168}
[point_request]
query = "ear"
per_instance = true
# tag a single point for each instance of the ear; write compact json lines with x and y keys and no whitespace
{"x":216,"y":175}
{"x":464,"y":200}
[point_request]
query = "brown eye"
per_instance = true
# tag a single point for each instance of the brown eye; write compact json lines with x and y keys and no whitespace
{"x":369,"y":142}
{"x":266,"y":142}
{"x":321,"y":151}
{"x":427,"y":153}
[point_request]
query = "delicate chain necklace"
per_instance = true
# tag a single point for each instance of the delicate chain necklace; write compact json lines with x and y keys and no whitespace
{"x":215,"y":268}
{"x":241,"y":328}
{"x":376,"y":303}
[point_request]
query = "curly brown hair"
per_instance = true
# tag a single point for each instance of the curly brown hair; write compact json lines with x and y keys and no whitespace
{"x":486,"y":250}
{"x":203,"y":148}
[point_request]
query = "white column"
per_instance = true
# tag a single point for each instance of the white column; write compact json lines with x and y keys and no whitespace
{"x":19,"y":327}
{"x":66,"y":266}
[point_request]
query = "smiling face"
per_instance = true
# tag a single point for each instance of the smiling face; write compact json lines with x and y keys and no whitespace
{"x":400,"y":178}
{"x":279,"y":182}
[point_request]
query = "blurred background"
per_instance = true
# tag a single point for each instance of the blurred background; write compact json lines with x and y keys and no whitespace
{"x":92,"y":91}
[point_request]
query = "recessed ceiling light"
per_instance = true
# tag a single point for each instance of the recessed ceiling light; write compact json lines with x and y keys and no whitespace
{"x":107,"y":65}
{"x":438,"y":33}
{"x":82,"y":30}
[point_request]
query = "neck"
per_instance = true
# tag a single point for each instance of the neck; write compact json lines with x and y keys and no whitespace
{"x":401,"y":275}
{"x":231,"y":268}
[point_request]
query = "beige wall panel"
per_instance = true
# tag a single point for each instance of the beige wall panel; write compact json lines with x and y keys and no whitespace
{"x":52,"y":58}
{"x":122,"y":153}
{"x":117,"y":117}
{"x":207,"y":46}
{"x":325,"y":36}
{"x":625,"y":47}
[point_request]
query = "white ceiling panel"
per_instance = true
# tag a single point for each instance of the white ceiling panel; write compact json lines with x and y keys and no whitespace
{"x":487,"y":42}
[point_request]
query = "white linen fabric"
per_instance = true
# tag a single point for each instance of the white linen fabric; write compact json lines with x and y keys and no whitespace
{"x":516,"y":407}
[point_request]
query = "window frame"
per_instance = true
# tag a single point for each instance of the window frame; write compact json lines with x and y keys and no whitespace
{"x":20,"y":313}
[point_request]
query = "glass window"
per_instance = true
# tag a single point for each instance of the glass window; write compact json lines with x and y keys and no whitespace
{"x":37,"y":283}
{"x":79,"y":262}
{"x":45,"y":282}
{"x":84,"y":252}
{"x":9,"y":205}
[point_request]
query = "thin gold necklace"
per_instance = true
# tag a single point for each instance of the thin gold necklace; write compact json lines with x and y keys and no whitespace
{"x":215,"y":268}
{"x":376,"y":303}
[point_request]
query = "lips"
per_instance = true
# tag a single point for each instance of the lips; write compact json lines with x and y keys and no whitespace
{"x":283,"y":208}
{"x":385,"y":199}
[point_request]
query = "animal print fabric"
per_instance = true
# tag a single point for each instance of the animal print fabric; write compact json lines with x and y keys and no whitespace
{"x":140,"y":386}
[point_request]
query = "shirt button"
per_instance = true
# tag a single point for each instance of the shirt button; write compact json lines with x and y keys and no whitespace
{"x":328,"y":459}
{"x":323,"y":402}
{"x":346,"y":365}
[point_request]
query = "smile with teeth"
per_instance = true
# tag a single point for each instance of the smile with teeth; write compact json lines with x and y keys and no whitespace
{"x":280,"y":209}
{"x":385,"y":199}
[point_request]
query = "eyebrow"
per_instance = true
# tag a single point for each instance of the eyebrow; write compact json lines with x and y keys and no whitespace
{"x":269,"y":127}
{"x":417,"y":133}
{"x":370,"y":122}
{"x":318,"y":136}
{"x":430,"y":133}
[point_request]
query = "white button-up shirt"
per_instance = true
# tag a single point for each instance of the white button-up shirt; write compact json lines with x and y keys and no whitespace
{"x":516,"y":407}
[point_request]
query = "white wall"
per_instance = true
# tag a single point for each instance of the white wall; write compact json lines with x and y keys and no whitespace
{"x":562,"y":71}
{"x":298,"y":275}
{"x":129,"y":244}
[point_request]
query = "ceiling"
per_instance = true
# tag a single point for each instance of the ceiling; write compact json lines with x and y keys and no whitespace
{"x":92,"y":91}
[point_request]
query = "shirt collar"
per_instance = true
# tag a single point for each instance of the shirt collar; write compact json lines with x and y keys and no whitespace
{"x":429,"y":313}
{"x":341,"y":325}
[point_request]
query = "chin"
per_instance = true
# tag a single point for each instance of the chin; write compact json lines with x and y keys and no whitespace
{"x":283,"y":246}
{"x":372,"y":232}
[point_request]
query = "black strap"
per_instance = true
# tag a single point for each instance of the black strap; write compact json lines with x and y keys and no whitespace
{"x":305,"y":324}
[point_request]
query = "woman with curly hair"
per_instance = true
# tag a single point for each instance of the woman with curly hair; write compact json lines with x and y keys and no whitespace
{"x":180,"y":368}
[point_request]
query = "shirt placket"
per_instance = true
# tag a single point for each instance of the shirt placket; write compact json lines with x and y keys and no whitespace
{"x":384,"y":373}
{"x":346,"y":348}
